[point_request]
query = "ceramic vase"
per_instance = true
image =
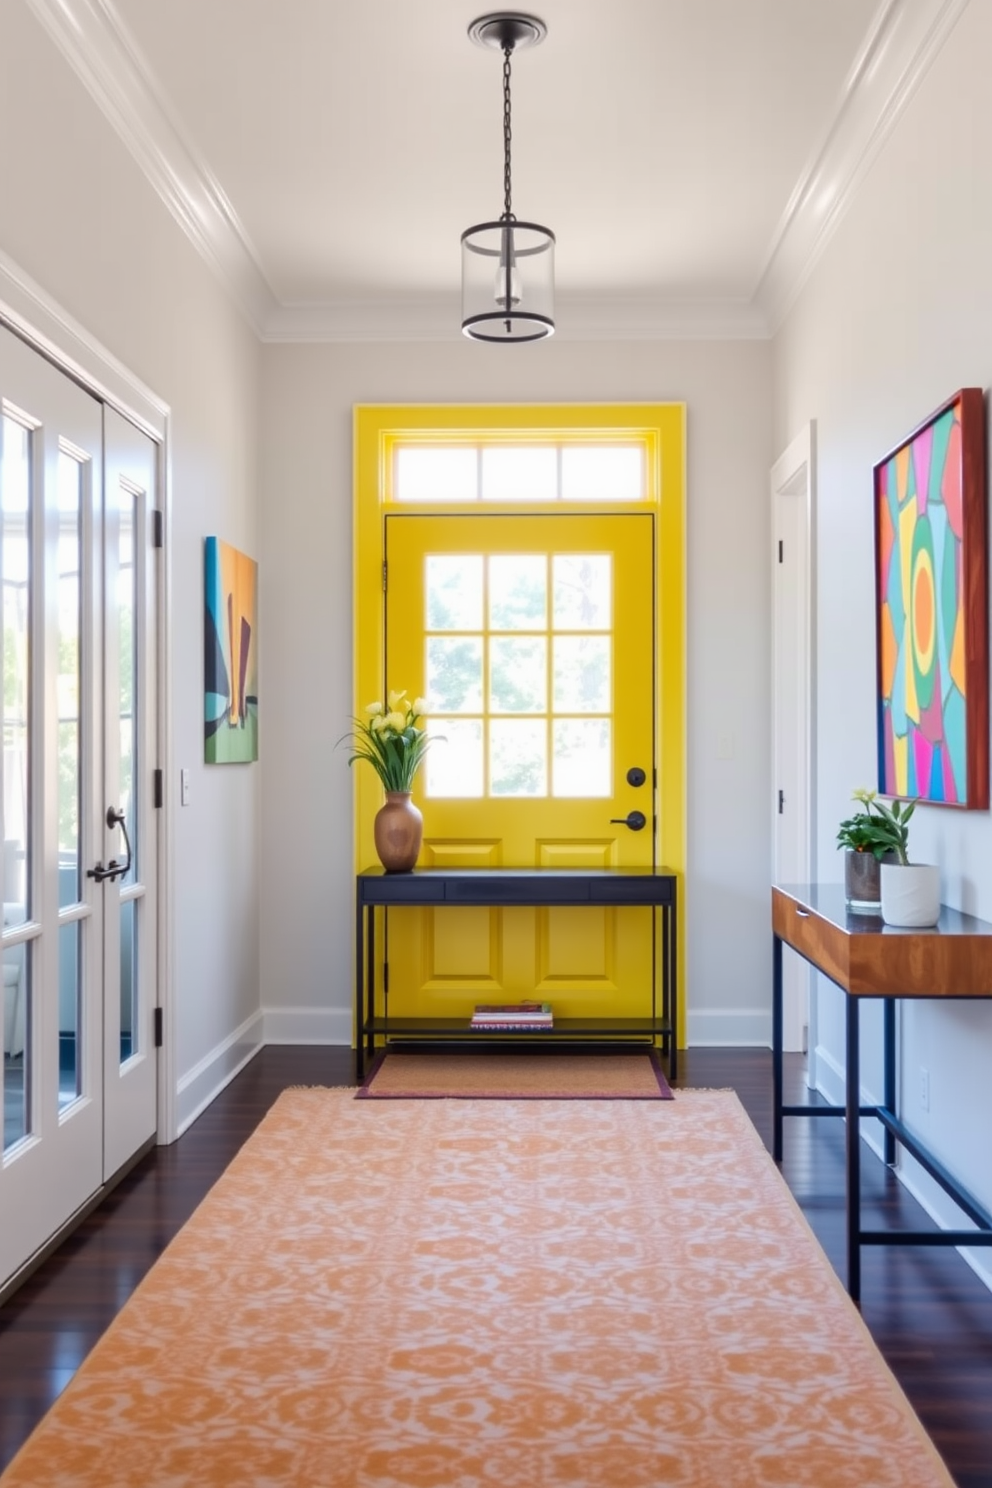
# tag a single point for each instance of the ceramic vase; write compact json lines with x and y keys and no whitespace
{"x":398,"y":828}
{"x":910,"y":894}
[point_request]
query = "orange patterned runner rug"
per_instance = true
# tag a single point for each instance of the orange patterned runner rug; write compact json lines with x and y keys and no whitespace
{"x":458,"y":1294}
{"x":536,"y":1075}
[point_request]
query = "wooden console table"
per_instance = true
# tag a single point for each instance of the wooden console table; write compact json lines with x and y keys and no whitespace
{"x":515,"y":886}
{"x":866,"y":958}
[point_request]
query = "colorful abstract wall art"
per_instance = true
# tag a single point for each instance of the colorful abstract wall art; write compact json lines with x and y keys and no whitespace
{"x":932,"y":610}
{"x":230,"y":655}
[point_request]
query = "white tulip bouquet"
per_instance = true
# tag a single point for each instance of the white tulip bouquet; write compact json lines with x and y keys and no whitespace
{"x":393,"y":738}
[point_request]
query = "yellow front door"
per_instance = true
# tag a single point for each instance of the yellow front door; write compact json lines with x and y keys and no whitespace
{"x":532,"y":639}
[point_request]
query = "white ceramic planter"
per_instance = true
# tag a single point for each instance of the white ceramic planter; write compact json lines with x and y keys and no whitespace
{"x":910,"y":894}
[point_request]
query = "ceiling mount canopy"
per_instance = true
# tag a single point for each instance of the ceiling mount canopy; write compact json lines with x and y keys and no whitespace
{"x":508,"y":266}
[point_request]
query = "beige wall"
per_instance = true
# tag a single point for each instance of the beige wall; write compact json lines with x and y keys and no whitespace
{"x":897,"y":317}
{"x":308,"y":394}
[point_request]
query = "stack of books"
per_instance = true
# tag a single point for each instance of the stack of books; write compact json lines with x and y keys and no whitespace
{"x":515,"y":1016}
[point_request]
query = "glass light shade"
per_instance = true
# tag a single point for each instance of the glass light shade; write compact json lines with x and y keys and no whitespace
{"x":508,"y":281}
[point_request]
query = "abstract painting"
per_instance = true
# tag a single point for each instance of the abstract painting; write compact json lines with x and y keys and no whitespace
{"x":932,"y":610}
{"x":230,"y":655}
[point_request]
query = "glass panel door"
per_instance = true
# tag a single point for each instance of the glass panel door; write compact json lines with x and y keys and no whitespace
{"x":131,"y":839}
{"x":79,"y":942}
{"x":51,"y":482}
{"x":15,"y":566}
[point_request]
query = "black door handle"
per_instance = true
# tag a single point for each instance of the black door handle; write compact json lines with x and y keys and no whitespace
{"x":113,"y":870}
{"x":635,"y":820}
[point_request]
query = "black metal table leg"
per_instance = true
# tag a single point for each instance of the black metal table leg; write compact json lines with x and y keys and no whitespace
{"x":853,"y":1136}
{"x":672,"y":983}
{"x":359,"y":990}
{"x":889,"y":1094}
{"x":370,"y":984}
{"x":777,"y":1048}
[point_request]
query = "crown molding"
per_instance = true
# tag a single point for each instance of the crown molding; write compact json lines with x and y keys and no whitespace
{"x":100,"y":50}
{"x":904,"y":39}
{"x":27,"y":309}
{"x":438,"y":318}
{"x":902,"y":43}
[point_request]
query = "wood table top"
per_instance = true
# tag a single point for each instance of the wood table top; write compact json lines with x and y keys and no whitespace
{"x":868,"y":958}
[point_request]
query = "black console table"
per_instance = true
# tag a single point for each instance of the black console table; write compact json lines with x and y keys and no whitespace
{"x":377,"y":889}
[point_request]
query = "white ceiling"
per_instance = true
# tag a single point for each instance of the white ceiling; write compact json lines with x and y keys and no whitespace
{"x":690,"y":155}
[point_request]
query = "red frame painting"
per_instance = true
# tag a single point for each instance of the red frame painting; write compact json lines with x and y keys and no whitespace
{"x":931,"y":576}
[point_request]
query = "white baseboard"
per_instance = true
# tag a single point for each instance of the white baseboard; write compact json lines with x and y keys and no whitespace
{"x":831,"y":1084}
{"x":742,"y":1028}
{"x":943,"y":1211}
{"x":205,"y":1081}
{"x":928,"y":1194}
{"x":308,"y":1025}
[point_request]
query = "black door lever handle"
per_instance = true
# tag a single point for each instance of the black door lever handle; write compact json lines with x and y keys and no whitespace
{"x":113,"y":870}
{"x":635,"y":820}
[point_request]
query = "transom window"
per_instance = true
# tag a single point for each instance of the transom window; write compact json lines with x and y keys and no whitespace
{"x":555,"y":471}
{"x":519,"y":670}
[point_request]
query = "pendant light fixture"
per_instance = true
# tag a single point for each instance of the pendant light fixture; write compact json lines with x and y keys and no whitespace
{"x":508,"y":267}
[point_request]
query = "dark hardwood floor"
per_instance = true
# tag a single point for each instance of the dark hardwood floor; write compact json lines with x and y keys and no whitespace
{"x":928,"y":1313}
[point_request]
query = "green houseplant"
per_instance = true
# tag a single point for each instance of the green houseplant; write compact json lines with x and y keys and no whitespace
{"x":393,"y":739}
{"x":866,"y":837}
{"x":910,"y":892}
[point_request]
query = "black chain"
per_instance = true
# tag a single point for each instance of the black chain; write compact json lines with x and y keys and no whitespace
{"x":507,"y":135}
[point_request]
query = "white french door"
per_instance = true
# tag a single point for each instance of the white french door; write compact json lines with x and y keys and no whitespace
{"x":77,"y":570}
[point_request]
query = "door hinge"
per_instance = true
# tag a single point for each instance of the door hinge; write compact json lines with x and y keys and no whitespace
{"x":781,"y":550}
{"x":157,"y":788}
{"x":385,"y":976}
{"x":781,"y":802}
{"x":158,"y":526}
{"x":384,"y":568}
{"x":158,"y":1028}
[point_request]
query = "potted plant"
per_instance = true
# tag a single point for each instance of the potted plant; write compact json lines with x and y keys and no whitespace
{"x":865,"y":838}
{"x":910,"y":891}
{"x":393,"y":739}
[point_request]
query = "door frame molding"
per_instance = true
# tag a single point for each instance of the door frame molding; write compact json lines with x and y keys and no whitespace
{"x":793,"y":477}
{"x":41,"y":321}
{"x":378,"y":428}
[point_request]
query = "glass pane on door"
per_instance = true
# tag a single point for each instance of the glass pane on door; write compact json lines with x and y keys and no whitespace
{"x":70,"y":1014}
{"x":127,"y":672}
{"x":69,"y":557}
{"x":16,"y":1010}
{"x":15,"y":548}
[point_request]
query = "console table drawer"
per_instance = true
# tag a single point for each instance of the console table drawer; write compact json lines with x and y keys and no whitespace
{"x":820,"y":941}
{"x":647,"y":890}
{"x":403,"y":889}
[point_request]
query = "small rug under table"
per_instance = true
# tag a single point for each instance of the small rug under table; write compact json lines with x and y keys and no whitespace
{"x":537,"y":1075}
{"x":454,"y":1294}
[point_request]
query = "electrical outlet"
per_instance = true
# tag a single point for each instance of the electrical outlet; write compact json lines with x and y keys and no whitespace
{"x":924,"y":1088}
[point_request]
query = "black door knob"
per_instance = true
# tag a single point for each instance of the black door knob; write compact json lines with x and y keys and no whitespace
{"x":635,"y":775}
{"x":635,"y":820}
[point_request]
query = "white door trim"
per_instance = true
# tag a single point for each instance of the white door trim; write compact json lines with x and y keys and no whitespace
{"x":27,"y":309}
{"x":793,"y":480}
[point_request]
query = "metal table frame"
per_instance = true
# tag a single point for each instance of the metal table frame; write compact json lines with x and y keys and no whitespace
{"x":535,"y":887}
{"x":814,"y":921}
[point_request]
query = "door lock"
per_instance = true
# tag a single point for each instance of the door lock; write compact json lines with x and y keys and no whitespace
{"x":635,"y":775}
{"x":635,"y":820}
